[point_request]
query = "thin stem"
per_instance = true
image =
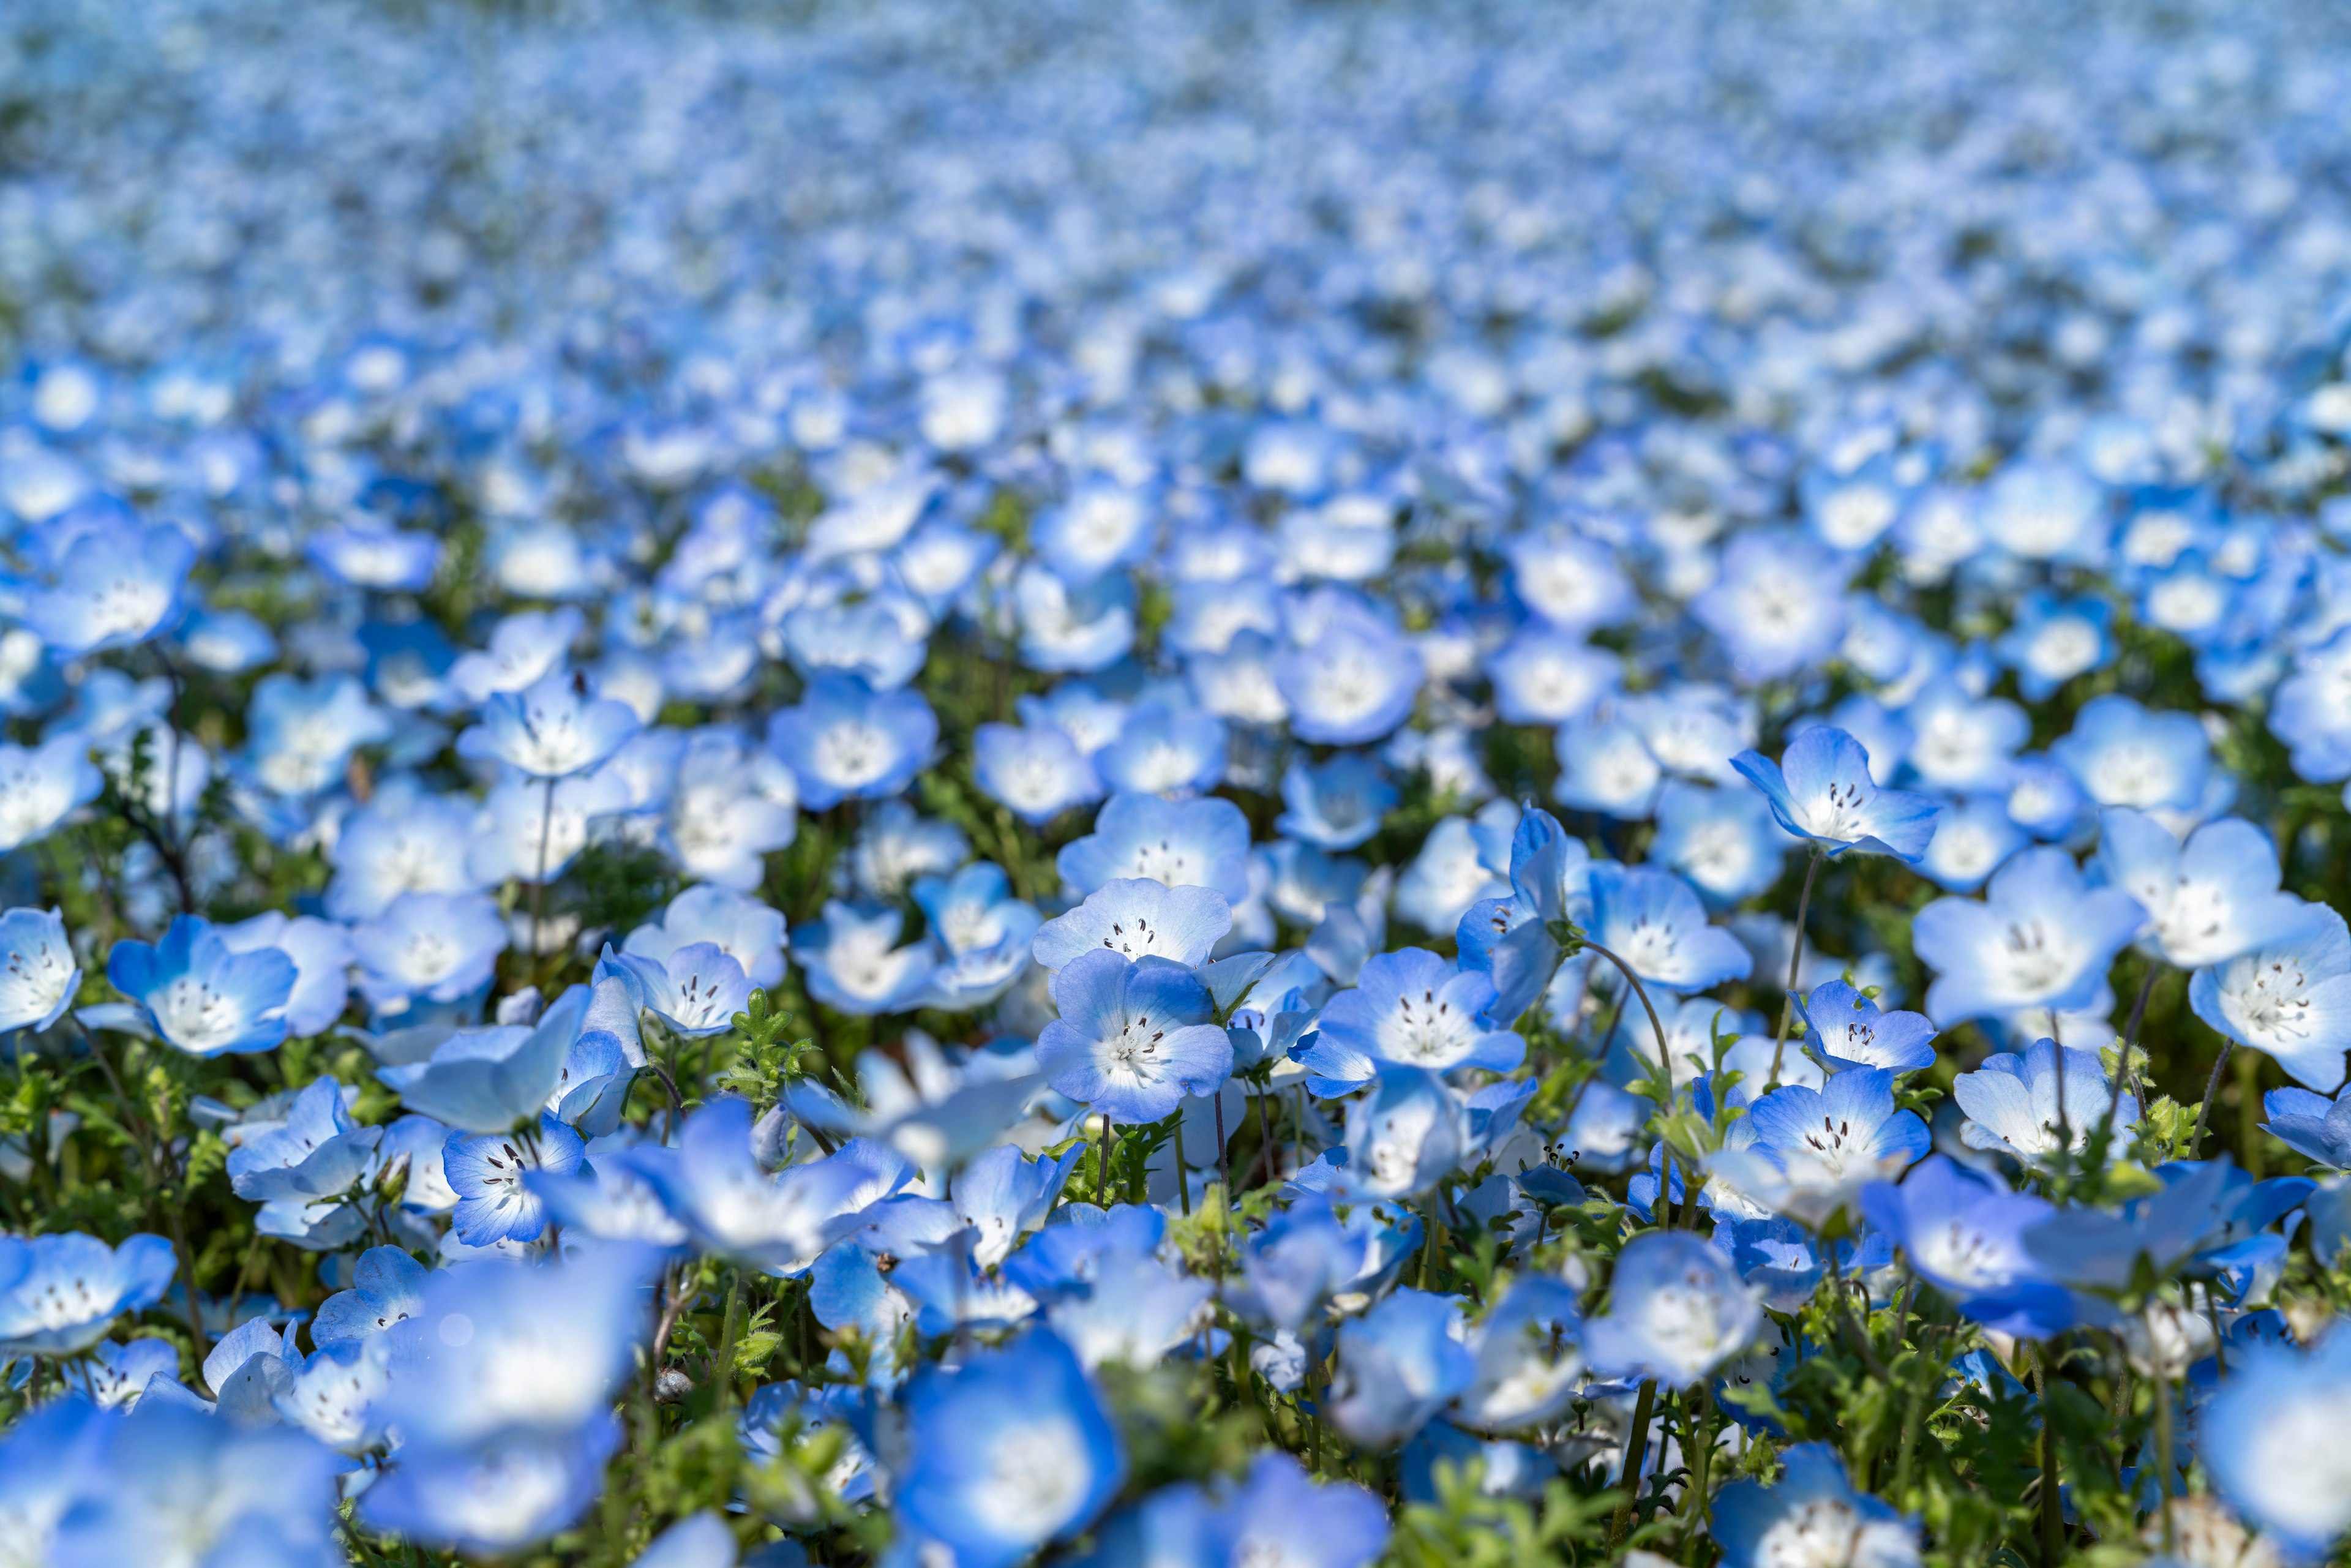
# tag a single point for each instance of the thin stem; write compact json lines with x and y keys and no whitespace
{"x":1665,"y":1064}
{"x":1183,"y":1182}
{"x":2051,"y":1513}
{"x":1636,"y":1456}
{"x":730,"y":1328}
{"x":1102,"y":1175}
{"x":1223,"y":1156}
{"x":539,"y":883}
{"x":2123,"y":1073}
{"x":2211,"y":1092}
{"x":1699,"y":1452}
{"x":1795,"y":969}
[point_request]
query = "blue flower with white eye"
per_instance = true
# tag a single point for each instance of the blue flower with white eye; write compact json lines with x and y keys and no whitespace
{"x":2046,"y":511}
{"x":330,"y":1393}
{"x":2125,"y":755}
{"x":2291,"y":998}
{"x":1605,"y":765}
{"x":117,"y":586}
{"x":200,"y":996}
{"x":729,"y":807}
{"x":495,"y":1497}
{"x":405,"y":840}
{"x":1962,"y":741}
{"x":2312,"y":1126}
{"x":317,"y":1152}
{"x":1678,"y":1310}
{"x":169,"y":1484}
{"x":895,"y":846}
{"x":387,"y":1288}
{"x":1201,"y":842}
{"x":696,"y":990}
{"x":747,"y":930}
{"x":1725,"y":841}
{"x":553,"y":728}
{"x":1963,"y":1233}
{"x":780,"y":1223}
{"x":854,"y":963}
{"x":1447,"y":878}
{"x":1807,"y":1152}
{"x":38,"y":973}
{"x":322,"y":953}
{"x":2015,"y":1103}
{"x":1569,"y":581}
{"x":1654,"y":921}
{"x":436,"y":947}
{"x":1351,"y":679}
{"x":844,"y":741}
{"x":299,"y":735}
{"x":1036,"y":772}
{"x":1408,"y":1008}
{"x":1337,"y":804}
{"x":1849,"y":1031}
{"x":1822,"y":790}
{"x":1404,"y":1137}
{"x":881,"y":641}
{"x":113,"y":1376}
{"x":487,"y":1080}
{"x":2053,"y":640}
{"x":2043,"y":798}
{"x":1164,"y":748}
{"x":1133,"y":1036}
{"x":495,"y":1201}
{"x":2214,"y":898}
{"x":41,"y":786}
{"x":986,"y":933}
{"x":1812,"y":1518}
{"x":2272,"y":1440}
{"x":1138,"y":917}
{"x":365,"y":553}
{"x":1529,"y":1358}
{"x":1009,"y":1452}
{"x":1102,"y":527}
{"x":1208,"y":615}
{"x":1973,"y":840}
{"x":60,"y":1294}
{"x":524,"y":648}
{"x":1777,"y":606}
{"x":1003,"y":1197}
{"x":1399,"y":1365}
{"x":2311,"y":711}
{"x":1544,"y":677}
{"x":2041,"y":938}
{"x":1070,"y":629}
{"x":1135,"y":1310}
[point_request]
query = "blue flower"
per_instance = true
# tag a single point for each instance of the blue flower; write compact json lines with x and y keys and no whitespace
{"x":1139,"y":917}
{"x":1399,"y":1365}
{"x":487,"y":1080}
{"x":299,"y":735}
{"x":201,"y":997}
{"x":111,"y":1375}
{"x":986,"y":933}
{"x":364,"y":553}
{"x":495,"y":1497}
{"x":2051,"y":641}
{"x":747,"y":930}
{"x":387,"y":1288}
{"x":1408,"y":1008}
{"x":2123,"y":755}
{"x":853,"y":963}
{"x":1606,"y":766}
{"x":1678,"y":1310}
{"x":1654,"y":921}
{"x":780,"y":1223}
{"x":1133,"y":1036}
{"x":2012,"y":1102}
{"x":1724,"y":841}
{"x":1963,"y":1233}
{"x":441,"y":947}
{"x":2291,"y":999}
{"x":2213,"y":899}
{"x":696,"y":990}
{"x":2041,"y":939}
{"x":1135,"y":1310}
{"x":60,"y":1294}
{"x":495,"y":1202}
{"x":1165,"y":749}
{"x":2313,"y":1126}
{"x":1809,"y":1152}
{"x":1544,"y":677}
{"x":38,"y":974}
{"x":1035,"y":772}
{"x":1337,"y":804}
{"x":1777,"y":606}
{"x":1009,"y":1452}
{"x":1822,"y":790}
{"x":322,"y":953}
{"x":171,"y":1485}
{"x":1351,"y":678}
{"x":552,"y":729}
{"x":2272,"y":1439}
{"x":1811,"y":1519}
{"x":1201,"y":842}
{"x":1973,"y":840}
{"x":1850,"y":1032}
{"x":1528,"y":1357}
{"x":844,"y":741}
{"x":117,"y":585}
{"x":1062,"y":628}
{"x":402,"y":840}
{"x":317,"y":1152}
{"x":41,"y":787}
{"x":1405,"y":1136}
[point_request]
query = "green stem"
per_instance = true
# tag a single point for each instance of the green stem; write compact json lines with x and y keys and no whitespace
{"x":1636,"y":1457}
{"x":732,"y":1326}
{"x":1183,"y":1185}
{"x":1795,"y":967}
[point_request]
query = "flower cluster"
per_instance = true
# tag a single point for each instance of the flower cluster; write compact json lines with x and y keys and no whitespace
{"x":1211,"y":785}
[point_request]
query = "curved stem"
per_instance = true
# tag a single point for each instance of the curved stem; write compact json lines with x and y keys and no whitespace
{"x":1795,"y":967}
{"x":1665,"y":1062}
{"x":2211,"y":1088}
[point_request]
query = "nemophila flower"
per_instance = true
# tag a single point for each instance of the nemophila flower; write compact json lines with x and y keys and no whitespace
{"x":60,"y":1294}
{"x":1337,"y":804}
{"x":2311,"y":711}
{"x":1777,"y":607}
{"x":330,"y":1393}
{"x":2271,"y":1438}
{"x":487,"y":1080}
{"x":844,"y":741}
{"x":986,"y":934}
{"x":1849,"y":1029}
{"x":387,"y":1288}
{"x":1654,"y":921}
{"x":1073,"y":629}
{"x":2290,"y":998}
{"x":895,"y":846}
{"x":1821,"y":790}
{"x":2125,"y":755}
{"x":1003,"y":1197}
{"x":1201,"y":842}
{"x":200,"y":995}
{"x":167,"y":1484}
{"x":41,"y":786}
{"x":728,"y":807}
{"x":1529,"y":1358}
{"x":524,"y":648}
{"x":1165,"y":749}
{"x":1724,"y":841}
{"x":1447,"y":878}
{"x":1133,"y":1036}
{"x":1963,"y":1233}
{"x":553,"y":728}
{"x":1973,"y":840}
{"x":317,"y":1152}
{"x":1138,"y":917}
{"x":322,"y":953}
{"x":1408,"y":1008}
{"x":1035,"y":772}
{"x":696,"y":990}
{"x":2051,"y":641}
{"x":1570,"y":581}
{"x":2213,"y":899}
{"x":435,"y":947}
{"x":1605,"y":765}
{"x":38,"y":973}
{"x":1961,"y":740}
{"x":117,"y":586}
{"x":1399,"y":1365}
{"x":1102,"y":526}
{"x":405,"y":840}
{"x":113,"y":1376}
{"x":2108,"y":1257}
{"x":1406,"y":1136}
{"x":1543,"y":676}
{"x":1009,"y":1452}
{"x":881,"y":641}
{"x":2312,"y":1126}
{"x":495,"y":1201}
{"x":852,"y":960}
{"x":364,"y":553}
{"x":1677,"y":1310}
{"x":301,"y":734}
{"x":2040,"y":939}
{"x":1136,"y":1311}
{"x":741,"y":927}
{"x":2012,"y":1102}
{"x":779,"y":1223}
{"x":1811,"y":1518}
{"x":1351,"y":679}
{"x":1810,"y":1152}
